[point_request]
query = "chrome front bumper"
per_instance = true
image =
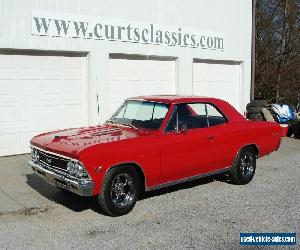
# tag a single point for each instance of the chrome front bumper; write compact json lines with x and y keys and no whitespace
{"x":82,"y":187}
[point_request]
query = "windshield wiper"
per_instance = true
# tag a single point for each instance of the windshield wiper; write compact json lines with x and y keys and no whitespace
{"x":111,"y":121}
{"x":130,"y":125}
{"x":124,"y":124}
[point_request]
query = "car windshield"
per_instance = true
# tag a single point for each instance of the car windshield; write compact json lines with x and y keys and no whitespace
{"x":140,"y":114}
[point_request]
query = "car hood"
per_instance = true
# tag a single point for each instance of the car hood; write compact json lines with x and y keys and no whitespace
{"x":71,"y":142}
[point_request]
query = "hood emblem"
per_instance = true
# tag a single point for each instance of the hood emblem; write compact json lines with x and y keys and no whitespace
{"x":48,"y":160}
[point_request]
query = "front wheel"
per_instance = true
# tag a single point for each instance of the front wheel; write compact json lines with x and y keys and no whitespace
{"x":244,"y":167}
{"x":120,"y":191}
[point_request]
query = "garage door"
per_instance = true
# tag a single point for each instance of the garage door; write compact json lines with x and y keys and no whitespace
{"x":129,"y":78}
{"x":221,"y":80}
{"x":39,"y":94}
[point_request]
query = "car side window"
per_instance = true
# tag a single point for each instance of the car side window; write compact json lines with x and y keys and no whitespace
{"x":198,"y":116}
{"x":194,"y":115}
{"x":189,"y":115}
{"x":197,"y":108}
{"x":214,"y":116}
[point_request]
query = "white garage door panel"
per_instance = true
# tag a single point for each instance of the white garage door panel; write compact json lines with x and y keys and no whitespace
{"x":129,"y":78}
{"x":7,"y":141}
{"x":39,"y":94}
{"x":218,"y":80}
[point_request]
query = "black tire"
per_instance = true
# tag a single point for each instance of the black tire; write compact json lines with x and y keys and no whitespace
{"x":118,"y":198}
{"x":254,"y":109}
{"x":254,"y":116}
{"x":244,"y":166}
{"x":257,"y":103}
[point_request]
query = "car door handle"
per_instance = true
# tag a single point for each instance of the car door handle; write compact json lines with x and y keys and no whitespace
{"x":211,"y":137}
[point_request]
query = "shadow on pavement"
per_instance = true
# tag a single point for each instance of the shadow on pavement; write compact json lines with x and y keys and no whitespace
{"x":72,"y":201}
{"x":224,"y":178}
{"x":78,"y":204}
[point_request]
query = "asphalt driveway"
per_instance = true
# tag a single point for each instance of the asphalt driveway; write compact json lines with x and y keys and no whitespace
{"x":203,"y":214}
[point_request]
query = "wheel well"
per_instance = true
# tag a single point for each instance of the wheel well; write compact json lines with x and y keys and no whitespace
{"x":140,"y":173}
{"x":254,"y":148}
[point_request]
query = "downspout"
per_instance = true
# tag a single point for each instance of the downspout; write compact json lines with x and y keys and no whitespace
{"x":253,"y":50}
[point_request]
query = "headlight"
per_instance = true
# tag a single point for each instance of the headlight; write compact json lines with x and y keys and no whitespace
{"x":35,"y":155}
{"x":76,"y":169}
{"x":70,"y":168}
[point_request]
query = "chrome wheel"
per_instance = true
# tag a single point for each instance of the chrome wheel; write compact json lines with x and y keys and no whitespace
{"x":247,"y":165}
{"x":244,"y":166}
{"x":122,"y":190}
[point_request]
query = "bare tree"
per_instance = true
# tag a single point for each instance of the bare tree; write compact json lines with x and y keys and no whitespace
{"x":277,"y":64}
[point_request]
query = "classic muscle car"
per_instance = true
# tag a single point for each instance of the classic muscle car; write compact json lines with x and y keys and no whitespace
{"x":152,"y":142}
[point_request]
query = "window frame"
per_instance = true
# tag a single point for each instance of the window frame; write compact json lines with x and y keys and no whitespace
{"x":205,"y":103}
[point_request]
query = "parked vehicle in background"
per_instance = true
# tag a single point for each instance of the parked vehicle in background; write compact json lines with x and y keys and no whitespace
{"x":284,"y":115}
{"x":284,"y":112}
{"x":153,"y":142}
{"x":298,"y":107}
{"x":280,"y":112}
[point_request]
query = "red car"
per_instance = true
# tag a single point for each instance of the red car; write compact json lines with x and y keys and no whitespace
{"x":153,"y":142}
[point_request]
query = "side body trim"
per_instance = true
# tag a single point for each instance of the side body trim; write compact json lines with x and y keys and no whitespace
{"x":171,"y":183}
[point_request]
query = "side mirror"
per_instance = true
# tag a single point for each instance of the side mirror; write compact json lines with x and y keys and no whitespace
{"x":183,"y":128}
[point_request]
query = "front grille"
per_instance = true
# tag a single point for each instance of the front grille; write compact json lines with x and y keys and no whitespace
{"x":53,"y":160}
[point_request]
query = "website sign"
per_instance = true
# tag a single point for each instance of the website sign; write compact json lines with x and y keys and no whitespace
{"x":267,"y":239}
{"x":97,"y":28}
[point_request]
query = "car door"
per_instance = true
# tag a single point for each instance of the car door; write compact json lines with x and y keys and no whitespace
{"x":222,"y":133}
{"x":192,"y":151}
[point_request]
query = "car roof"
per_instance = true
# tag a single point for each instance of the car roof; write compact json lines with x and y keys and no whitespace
{"x":229,"y":111}
{"x":174,"y":98}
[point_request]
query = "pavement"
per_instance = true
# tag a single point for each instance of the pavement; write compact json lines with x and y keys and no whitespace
{"x":208,"y":213}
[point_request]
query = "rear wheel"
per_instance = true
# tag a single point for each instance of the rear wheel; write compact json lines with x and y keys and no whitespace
{"x":244,"y":166}
{"x":119,"y":191}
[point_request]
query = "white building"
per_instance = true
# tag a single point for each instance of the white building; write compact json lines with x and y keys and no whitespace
{"x":71,"y":63}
